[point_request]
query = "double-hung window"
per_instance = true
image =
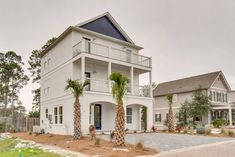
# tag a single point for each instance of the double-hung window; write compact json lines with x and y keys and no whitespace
{"x":158,"y":117}
{"x":128,"y":115}
{"x":58,"y":115}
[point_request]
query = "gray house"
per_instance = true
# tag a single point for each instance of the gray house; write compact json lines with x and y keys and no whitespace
{"x":213,"y":84}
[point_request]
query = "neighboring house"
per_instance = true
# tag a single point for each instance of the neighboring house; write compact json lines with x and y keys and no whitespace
{"x":231,"y":97}
{"x":212,"y":84}
{"x":92,"y":50}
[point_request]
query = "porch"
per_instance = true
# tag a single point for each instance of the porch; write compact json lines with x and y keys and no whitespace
{"x":102,"y":116}
{"x":226,"y":113}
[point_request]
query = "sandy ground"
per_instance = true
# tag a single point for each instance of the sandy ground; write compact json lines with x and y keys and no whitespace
{"x":85,"y":145}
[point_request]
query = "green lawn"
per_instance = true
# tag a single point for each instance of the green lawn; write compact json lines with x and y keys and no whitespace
{"x":7,"y":150}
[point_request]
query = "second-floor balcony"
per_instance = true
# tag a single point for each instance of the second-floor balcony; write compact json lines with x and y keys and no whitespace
{"x":124,"y":55}
{"x":104,"y":86}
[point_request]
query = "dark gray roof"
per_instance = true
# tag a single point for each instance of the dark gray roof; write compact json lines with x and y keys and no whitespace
{"x":186,"y":84}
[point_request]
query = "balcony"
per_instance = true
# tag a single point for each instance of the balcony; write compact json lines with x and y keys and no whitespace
{"x":104,"y":86}
{"x":127,"y":56}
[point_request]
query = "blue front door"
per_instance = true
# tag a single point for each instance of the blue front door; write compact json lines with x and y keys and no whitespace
{"x":97,"y":116}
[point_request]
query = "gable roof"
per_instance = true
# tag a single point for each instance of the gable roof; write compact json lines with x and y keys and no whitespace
{"x":105,"y":24}
{"x":189,"y":84}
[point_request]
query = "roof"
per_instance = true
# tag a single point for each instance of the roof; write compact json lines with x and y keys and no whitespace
{"x":189,"y":84}
{"x":77,"y":28}
{"x":107,"y":25}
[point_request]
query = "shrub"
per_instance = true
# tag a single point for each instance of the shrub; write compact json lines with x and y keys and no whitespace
{"x":208,"y":131}
{"x":139,"y":145}
{"x":92,"y":130}
{"x":218,"y":123}
{"x":154,"y":129}
{"x":2,"y":127}
{"x":201,"y":130}
{"x":223,"y":131}
{"x":178,"y":128}
{"x":230,"y":133}
{"x":96,"y":141}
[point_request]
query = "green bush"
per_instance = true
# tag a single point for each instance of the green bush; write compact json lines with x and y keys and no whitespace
{"x":208,"y":131}
{"x":218,"y":123}
{"x":201,"y":130}
{"x":230,"y":133}
{"x":2,"y":127}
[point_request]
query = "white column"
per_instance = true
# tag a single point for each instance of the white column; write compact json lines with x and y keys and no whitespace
{"x":149,"y":116}
{"x":83,"y":68}
{"x":230,"y":115}
{"x":92,"y":114}
{"x":209,"y":118}
{"x":140,"y":115}
{"x":109,"y":73}
{"x":150,"y":84}
{"x":132,"y":81}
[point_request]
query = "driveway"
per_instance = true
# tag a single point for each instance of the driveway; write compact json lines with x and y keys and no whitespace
{"x":166,"y":142}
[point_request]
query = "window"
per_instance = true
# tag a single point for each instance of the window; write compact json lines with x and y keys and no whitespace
{"x":218,"y":96}
{"x":48,"y":62}
{"x":226,"y":97}
{"x":60,"y":114}
{"x":128,"y":115}
{"x":210,"y":96}
{"x":45,"y":64}
{"x":223,"y":99}
{"x":158,"y":117}
{"x":56,"y":115}
{"x":214,"y":96}
{"x":46,"y":113}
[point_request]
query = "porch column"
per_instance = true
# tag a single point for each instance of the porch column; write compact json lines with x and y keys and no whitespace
{"x":150,"y":84}
{"x":109,"y":73}
{"x":140,"y":115}
{"x":230,"y":115}
{"x":209,"y":118}
{"x":92,"y":114}
{"x":83,"y":68}
{"x":132,"y":81}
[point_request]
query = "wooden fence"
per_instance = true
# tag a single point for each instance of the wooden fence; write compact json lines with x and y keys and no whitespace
{"x":19,"y":123}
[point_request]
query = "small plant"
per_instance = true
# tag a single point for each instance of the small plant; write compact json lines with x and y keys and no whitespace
{"x":139,"y":145}
{"x":112,"y":133}
{"x":223,"y":131}
{"x":154,"y":129}
{"x":208,"y":131}
{"x":201,"y":130}
{"x":92,"y":130}
{"x":126,"y":129}
{"x":230,"y":133}
{"x":178,"y":128}
{"x":96,"y":141}
{"x":218,"y":123}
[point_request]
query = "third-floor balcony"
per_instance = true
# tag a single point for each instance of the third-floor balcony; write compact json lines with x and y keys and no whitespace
{"x":85,"y":46}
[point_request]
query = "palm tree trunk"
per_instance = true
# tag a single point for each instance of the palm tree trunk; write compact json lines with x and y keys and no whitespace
{"x":171,"y":127}
{"x":120,"y":125}
{"x":77,"y":120}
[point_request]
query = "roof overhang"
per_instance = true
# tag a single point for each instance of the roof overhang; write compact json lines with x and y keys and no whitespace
{"x":224,"y":81}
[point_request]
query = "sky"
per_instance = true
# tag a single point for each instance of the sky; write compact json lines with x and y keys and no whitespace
{"x":183,"y":37}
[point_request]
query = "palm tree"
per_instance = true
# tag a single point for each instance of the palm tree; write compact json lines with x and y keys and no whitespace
{"x":77,"y":89}
{"x":170,"y":114}
{"x":119,"y":88}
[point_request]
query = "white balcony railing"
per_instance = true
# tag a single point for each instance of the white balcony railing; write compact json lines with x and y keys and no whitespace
{"x":99,"y":85}
{"x":110,"y":52}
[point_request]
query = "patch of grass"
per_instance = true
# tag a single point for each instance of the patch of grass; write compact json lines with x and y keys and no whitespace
{"x":230,"y":133}
{"x":7,"y":144}
{"x":32,"y":152}
{"x":7,"y":150}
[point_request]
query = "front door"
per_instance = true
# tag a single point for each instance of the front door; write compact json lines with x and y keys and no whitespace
{"x":97,"y":116}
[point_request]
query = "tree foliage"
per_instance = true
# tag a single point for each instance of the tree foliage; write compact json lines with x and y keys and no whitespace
{"x":35,"y":70}
{"x":12,"y":77}
{"x":199,"y":106}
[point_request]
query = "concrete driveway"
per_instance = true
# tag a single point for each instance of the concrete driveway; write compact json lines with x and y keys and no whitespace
{"x":166,"y":142}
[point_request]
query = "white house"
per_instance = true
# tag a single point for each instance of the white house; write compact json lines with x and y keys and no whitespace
{"x":213,"y":84}
{"x":92,"y":50}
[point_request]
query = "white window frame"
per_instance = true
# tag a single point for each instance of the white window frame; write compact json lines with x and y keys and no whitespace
{"x":59,"y":117}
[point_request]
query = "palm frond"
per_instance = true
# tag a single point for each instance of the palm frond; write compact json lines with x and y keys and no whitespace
{"x":75,"y":86}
